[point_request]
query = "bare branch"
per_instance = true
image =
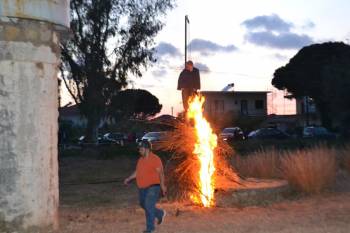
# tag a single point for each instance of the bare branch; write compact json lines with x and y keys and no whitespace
{"x":67,"y":85}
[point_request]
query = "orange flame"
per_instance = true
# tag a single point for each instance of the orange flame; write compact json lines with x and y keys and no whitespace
{"x":206,"y":142}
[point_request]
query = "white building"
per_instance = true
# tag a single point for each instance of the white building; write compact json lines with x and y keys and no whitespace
{"x":240,"y":103}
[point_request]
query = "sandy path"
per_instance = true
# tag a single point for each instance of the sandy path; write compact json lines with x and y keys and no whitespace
{"x":326,"y":213}
{"x":112,"y":208}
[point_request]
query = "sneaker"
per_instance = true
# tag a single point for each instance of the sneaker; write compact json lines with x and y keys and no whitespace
{"x":160,"y":221}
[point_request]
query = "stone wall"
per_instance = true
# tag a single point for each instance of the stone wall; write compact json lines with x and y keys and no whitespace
{"x":29,"y":56}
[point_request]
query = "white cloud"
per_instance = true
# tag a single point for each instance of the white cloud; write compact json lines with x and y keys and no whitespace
{"x":206,"y":47}
{"x":166,"y":49}
{"x":273,"y":32}
{"x":269,"y":23}
{"x":202,"y":67}
{"x":287,"y":40}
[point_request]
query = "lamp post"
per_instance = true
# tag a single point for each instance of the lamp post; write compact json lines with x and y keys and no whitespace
{"x":187,"y":21}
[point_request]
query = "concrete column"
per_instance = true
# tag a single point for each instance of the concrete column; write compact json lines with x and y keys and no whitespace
{"x":30,"y":32}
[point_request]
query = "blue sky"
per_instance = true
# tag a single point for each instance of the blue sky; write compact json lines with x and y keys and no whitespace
{"x":241,"y":42}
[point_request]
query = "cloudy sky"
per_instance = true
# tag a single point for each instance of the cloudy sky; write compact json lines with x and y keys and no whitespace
{"x":241,"y":42}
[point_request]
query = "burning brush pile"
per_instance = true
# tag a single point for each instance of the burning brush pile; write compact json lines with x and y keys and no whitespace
{"x":200,"y":162}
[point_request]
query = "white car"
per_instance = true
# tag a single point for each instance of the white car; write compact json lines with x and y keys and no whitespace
{"x":153,"y":136}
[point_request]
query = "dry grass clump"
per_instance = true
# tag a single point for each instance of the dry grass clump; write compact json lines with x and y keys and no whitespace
{"x":226,"y":176}
{"x":264,"y":163}
{"x":347,"y":160}
{"x":343,"y":157}
{"x":310,"y":171}
{"x":182,"y":169}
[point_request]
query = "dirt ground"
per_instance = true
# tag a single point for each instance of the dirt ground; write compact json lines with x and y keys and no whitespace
{"x":94,"y":200}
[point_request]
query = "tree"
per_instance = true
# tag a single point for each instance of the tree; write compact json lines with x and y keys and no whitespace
{"x":135,"y":103}
{"x":322,"y":72}
{"x":111,"y":40}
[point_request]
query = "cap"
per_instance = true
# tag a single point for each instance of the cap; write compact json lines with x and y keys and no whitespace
{"x":145,"y":144}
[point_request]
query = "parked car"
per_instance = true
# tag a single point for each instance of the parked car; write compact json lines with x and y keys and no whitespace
{"x":268,"y":133}
{"x":318,"y":132}
{"x":82,"y":140}
{"x":232,"y":133}
{"x":153,"y":136}
{"x":138,"y":136}
{"x":117,"y":138}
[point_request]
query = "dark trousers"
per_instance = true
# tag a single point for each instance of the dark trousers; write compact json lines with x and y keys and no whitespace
{"x":148,"y":198}
{"x":186,"y":94}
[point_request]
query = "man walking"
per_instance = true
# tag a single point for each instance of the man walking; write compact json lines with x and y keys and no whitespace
{"x":188,"y":83}
{"x":149,"y":176}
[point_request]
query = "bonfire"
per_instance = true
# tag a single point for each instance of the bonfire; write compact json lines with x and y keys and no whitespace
{"x":200,"y":162}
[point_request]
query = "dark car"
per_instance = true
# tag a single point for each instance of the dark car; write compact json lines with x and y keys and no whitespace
{"x":138,"y":136}
{"x":115,"y":138}
{"x":268,"y":133}
{"x":318,"y":132}
{"x":100,"y":140}
{"x":231,"y":134}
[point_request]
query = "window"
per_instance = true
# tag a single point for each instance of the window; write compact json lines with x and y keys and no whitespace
{"x":244,"y":107}
{"x":259,"y":104}
{"x":302,"y":106}
{"x":219,"y":106}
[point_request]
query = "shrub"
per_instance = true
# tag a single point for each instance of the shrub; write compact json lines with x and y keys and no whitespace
{"x":263,"y":163}
{"x":311,"y":170}
{"x":344,"y":158}
{"x":347,"y":161}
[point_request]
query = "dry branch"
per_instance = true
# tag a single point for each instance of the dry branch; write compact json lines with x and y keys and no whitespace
{"x":183,"y":167}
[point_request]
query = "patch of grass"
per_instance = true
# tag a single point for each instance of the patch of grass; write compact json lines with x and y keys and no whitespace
{"x":112,"y":152}
{"x":311,"y":170}
{"x":101,"y":152}
{"x":73,"y":152}
{"x":129,"y":150}
{"x":263,"y":163}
